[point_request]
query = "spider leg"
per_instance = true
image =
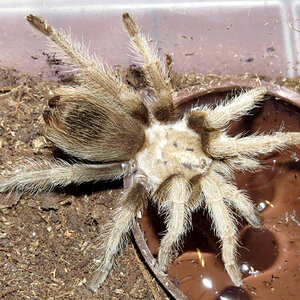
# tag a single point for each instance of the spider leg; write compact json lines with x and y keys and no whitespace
{"x":224,"y":224}
{"x":243,"y":163}
{"x":223,"y":146}
{"x":239,"y":200}
{"x":177,"y":191}
{"x":92,"y":71}
{"x":124,"y":219}
{"x":41,"y":176}
{"x":220,"y":116}
{"x":154,"y":70}
{"x":195,"y":201}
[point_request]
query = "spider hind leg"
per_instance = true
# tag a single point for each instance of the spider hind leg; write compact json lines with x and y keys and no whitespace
{"x":224,"y":223}
{"x":172,"y":199}
{"x":132,"y":202}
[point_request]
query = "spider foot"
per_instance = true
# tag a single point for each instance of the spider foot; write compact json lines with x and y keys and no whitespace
{"x":164,"y":261}
{"x":234,"y":273}
{"x":99,"y":277}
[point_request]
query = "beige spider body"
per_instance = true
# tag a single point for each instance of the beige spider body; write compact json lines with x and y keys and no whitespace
{"x":180,"y":164}
{"x":168,"y":149}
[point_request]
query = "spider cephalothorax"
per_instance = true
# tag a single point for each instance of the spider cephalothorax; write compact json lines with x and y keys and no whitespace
{"x":180,"y":164}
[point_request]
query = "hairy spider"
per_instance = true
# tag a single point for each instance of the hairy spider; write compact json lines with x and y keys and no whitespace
{"x":180,"y":164}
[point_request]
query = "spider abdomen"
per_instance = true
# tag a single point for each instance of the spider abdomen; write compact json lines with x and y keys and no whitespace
{"x":171,"y":149}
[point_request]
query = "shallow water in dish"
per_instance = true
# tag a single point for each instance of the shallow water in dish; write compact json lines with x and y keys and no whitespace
{"x":269,"y":256}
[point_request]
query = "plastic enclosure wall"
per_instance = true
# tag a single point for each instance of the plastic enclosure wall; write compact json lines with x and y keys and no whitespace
{"x":222,"y":37}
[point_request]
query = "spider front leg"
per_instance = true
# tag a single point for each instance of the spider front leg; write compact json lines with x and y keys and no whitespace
{"x":154,"y":69}
{"x":172,"y":197}
{"x":92,"y":72}
{"x":223,"y":113}
{"x":224,"y":223}
{"x":131,"y":203}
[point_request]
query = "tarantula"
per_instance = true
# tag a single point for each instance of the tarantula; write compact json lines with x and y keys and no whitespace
{"x":180,"y":164}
